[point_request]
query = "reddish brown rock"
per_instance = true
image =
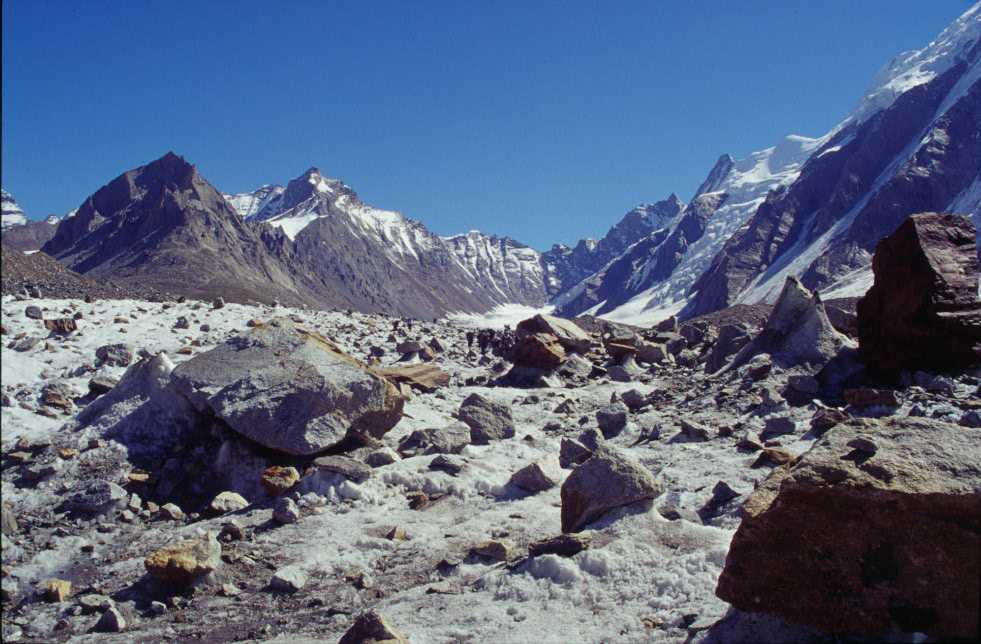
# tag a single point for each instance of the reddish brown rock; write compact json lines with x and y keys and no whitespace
{"x":923,"y":312}
{"x":852,"y":542}
{"x":63,"y":326}
{"x":539,"y":351}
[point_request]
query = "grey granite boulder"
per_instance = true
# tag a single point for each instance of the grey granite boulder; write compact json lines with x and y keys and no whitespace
{"x":607,"y":480}
{"x":289,"y":389}
{"x":486,"y":419}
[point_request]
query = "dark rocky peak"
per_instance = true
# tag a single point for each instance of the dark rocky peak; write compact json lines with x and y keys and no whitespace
{"x":152,"y":198}
{"x":716,"y":175}
{"x":309,"y":185}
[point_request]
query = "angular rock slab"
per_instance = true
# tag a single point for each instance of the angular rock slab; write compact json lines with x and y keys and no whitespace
{"x":289,"y":389}
{"x":798,"y":331}
{"x":607,"y":480}
{"x":569,"y":334}
{"x":922,"y":311}
{"x":849,"y":542}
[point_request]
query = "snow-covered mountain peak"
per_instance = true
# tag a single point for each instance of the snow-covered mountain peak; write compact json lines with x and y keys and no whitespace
{"x":912,"y":68}
{"x":247,"y":204}
{"x":11,"y":213}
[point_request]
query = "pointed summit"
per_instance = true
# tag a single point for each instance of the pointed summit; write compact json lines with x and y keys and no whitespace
{"x":716,"y":175}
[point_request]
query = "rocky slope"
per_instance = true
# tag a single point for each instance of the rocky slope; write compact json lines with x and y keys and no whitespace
{"x":40,"y":275}
{"x":175,"y":471}
{"x":30,"y":235}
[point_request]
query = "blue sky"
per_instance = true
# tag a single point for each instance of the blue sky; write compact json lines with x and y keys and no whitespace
{"x":545,"y":121}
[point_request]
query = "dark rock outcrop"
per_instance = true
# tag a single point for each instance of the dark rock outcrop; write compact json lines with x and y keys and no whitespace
{"x":923,"y":312}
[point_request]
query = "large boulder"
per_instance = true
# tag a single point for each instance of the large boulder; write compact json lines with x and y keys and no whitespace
{"x":798,"y":331}
{"x":538,"y":350}
{"x":608,"y":479}
{"x":289,"y":389}
{"x":569,"y":334}
{"x":878,"y":524}
{"x":922,"y":311}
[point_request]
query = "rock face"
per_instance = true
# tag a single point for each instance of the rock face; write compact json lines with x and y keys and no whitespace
{"x":852,"y":542}
{"x":923,"y":312}
{"x":797,"y":332}
{"x":609,"y":479}
{"x":289,"y":389}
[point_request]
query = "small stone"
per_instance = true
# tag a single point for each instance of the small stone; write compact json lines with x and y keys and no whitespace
{"x":230,"y":590}
{"x":370,"y":627}
{"x":285,"y":511}
{"x":863,"y":444}
{"x":227,"y":501}
{"x":33,"y":312}
{"x":448,"y":463}
{"x":278,"y":479}
{"x":612,"y":419}
{"x":492,"y":549}
{"x":694,"y":431}
{"x":397,"y":533}
{"x":67,"y":453}
{"x":233,"y":530}
{"x":778,"y":426}
{"x":172,"y":511}
{"x":539,"y":476}
{"x":346,"y":466}
{"x":157,"y":608}
{"x":288,"y":579}
{"x":94,"y":602}
{"x":563,"y":545}
{"x":116,"y":355}
{"x":417,"y":499}
{"x":185,"y":561}
{"x":572,"y":452}
{"x":57,"y":590}
{"x":382,"y":457}
{"x":112,"y":621}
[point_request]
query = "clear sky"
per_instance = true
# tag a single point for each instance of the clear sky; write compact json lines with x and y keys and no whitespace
{"x":542,"y":120}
